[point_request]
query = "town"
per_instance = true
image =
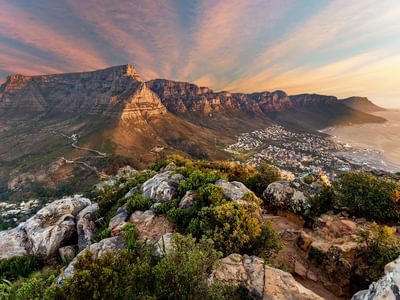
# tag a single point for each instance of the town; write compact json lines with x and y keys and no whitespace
{"x":298,"y":152}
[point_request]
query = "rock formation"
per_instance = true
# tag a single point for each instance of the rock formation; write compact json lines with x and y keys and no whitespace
{"x":262,"y":281}
{"x":43,"y":234}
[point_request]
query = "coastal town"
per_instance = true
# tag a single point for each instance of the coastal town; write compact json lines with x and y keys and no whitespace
{"x":298,"y":152}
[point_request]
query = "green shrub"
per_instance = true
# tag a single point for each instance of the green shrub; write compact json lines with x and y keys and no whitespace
{"x":369,"y":197}
{"x":324,"y":201}
{"x":131,"y":235}
{"x":18,"y":266}
{"x":210,"y":194}
{"x":138,"y":202}
{"x":183,"y":273}
{"x":266,"y":174}
{"x":102,"y":234}
{"x":235,"y":228}
{"x":182,"y":217}
{"x":382,"y":248}
{"x":197,"y":179}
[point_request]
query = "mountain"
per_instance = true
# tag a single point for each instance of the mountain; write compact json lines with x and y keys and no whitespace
{"x":362,"y":104}
{"x":74,"y":127}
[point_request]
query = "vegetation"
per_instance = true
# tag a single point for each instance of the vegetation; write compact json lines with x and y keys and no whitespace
{"x":368,"y":196}
{"x":138,"y":202}
{"x":382,"y":248}
{"x":18,"y":266}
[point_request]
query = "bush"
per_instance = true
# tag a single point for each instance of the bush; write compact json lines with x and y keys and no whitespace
{"x":324,"y":201}
{"x":210,"y":194}
{"x":182,"y":274}
{"x":138,"y":202}
{"x":18,"y":266}
{"x":235,"y":228}
{"x":369,"y":197}
{"x":197,"y":179}
{"x":266,"y":174}
{"x":382,"y":248}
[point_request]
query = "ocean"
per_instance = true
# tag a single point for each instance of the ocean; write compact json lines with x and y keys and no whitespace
{"x":377,"y":145}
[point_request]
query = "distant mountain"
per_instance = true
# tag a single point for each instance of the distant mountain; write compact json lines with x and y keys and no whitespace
{"x":362,"y":104}
{"x":77,"y":125}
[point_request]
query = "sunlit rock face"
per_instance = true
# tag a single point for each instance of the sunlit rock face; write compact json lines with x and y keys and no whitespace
{"x":116,"y":91}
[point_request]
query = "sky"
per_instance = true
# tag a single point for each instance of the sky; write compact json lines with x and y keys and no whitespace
{"x":335,"y":47}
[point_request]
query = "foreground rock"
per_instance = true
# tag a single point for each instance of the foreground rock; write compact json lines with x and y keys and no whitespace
{"x":283,"y":196}
{"x":388,"y":287}
{"x":150,"y":226}
{"x":233,"y":190}
{"x":86,"y":226}
{"x":112,"y":244}
{"x":262,"y":281}
{"x":162,"y":187}
{"x":43,"y":234}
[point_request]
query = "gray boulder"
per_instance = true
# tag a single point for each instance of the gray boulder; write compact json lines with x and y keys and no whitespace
{"x":118,"y":221}
{"x":388,"y":287}
{"x":112,"y":244}
{"x":262,"y":281}
{"x":44,"y":233}
{"x":282,"y":196}
{"x":188,"y":200}
{"x":86,"y":226}
{"x":233,"y":190}
{"x":162,"y":187}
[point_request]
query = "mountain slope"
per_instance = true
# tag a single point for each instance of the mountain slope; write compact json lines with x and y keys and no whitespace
{"x":74,"y":126}
{"x":362,"y":104}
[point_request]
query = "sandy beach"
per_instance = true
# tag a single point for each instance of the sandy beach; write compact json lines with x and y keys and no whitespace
{"x":382,"y":137}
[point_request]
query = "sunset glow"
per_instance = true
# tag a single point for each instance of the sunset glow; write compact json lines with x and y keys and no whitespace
{"x":337,"y":47}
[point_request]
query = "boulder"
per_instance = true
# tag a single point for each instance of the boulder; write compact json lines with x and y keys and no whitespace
{"x":13,"y":242}
{"x":44,"y":233}
{"x":388,"y":287}
{"x":233,"y":190}
{"x":111,"y":244}
{"x":67,"y":253}
{"x":130,"y":192}
{"x":188,"y":200}
{"x":262,"y":281}
{"x":118,"y":221}
{"x":162,"y":187}
{"x":86,"y":226}
{"x":281,"y":195}
{"x":150,"y":226}
{"x":164,"y":245}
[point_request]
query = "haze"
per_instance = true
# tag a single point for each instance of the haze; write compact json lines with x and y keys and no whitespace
{"x":341,"y":47}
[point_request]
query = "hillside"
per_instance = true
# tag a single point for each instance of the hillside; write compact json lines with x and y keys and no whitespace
{"x":362,"y":104}
{"x":71,"y":128}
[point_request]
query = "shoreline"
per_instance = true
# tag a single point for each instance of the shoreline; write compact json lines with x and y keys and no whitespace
{"x":371,"y":144}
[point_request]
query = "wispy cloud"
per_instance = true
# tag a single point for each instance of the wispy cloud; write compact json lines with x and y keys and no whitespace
{"x":338,"y":47}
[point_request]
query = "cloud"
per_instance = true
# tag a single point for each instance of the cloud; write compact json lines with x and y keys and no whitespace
{"x":68,"y":50}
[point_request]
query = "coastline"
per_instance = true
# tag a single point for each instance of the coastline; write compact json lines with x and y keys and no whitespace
{"x":372,"y":144}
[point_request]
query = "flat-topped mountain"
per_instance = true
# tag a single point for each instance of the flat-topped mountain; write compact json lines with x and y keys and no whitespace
{"x":74,"y":125}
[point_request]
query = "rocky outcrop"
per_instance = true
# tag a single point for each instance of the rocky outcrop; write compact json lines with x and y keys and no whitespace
{"x":150,"y":226}
{"x":162,"y":187}
{"x":262,"y":281}
{"x":118,"y":221}
{"x":86,"y":226}
{"x":283,"y":196}
{"x":116,"y":91}
{"x":43,"y":234}
{"x":388,"y":287}
{"x":188,"y":200}
{"x":97,"y":250}
{"x":233,"y":190}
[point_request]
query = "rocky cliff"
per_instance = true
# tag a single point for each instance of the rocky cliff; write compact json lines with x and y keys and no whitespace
{"x":116,"y":91}
{"x":183,"y":97}
{"x":361,"y":104}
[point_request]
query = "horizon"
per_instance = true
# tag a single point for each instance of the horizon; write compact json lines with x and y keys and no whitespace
{"x":342,"y":49}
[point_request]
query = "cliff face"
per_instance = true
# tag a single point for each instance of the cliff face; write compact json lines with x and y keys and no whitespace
{"x":182,"y":97}
{"x":116,"y":91}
